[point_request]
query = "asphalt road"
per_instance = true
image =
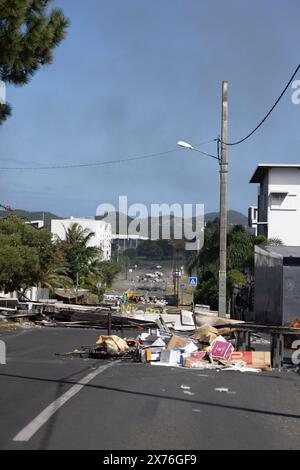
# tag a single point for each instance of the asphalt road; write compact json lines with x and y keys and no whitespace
{"x":135,"y":406}
{"x":133,"y":282}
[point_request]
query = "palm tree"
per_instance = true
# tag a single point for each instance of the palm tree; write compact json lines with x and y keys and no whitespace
{"x":56,"y":276}
{"x":79,"y":255}
{"x":77,"y":235}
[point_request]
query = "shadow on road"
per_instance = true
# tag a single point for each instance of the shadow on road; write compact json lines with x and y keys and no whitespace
{"x":65,"y":381}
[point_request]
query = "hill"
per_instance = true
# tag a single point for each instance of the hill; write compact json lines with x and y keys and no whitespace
{"x":30,"y":216}
{"x":234,"y":218}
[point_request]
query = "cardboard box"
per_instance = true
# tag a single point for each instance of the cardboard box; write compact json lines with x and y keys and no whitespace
{"x":159,"y":343}
{"x":199,"y":355}
{"x":151,"y":354}
{"x":194,"y":363}
{"x":221,"y":350}
{"x":254,"y":359}
{"x":177,"y":342}
{"x":206,"y":334}
{"x":170,"y":357}
{"x":190,"y":348}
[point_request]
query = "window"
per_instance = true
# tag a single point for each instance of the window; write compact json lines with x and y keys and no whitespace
{"x":283,"y":201}
{"x":277,"y":200}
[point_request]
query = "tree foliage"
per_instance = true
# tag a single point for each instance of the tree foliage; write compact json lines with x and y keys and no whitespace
{"x":240,"y":261}
{"x":155,"y":250}
{"x":27,"y":257}
{"x":28,"y":36}
{"x":77,"y":252}
{"x":84,"y":261}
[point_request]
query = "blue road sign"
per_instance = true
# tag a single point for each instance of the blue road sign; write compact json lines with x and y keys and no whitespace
{"x":182,"y":286}
{"x":193,"y":281}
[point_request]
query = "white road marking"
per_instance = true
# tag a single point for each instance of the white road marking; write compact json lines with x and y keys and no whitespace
{"x":28,"y":432}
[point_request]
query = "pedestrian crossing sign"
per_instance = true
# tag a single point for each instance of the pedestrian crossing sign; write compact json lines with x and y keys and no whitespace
{"x":193,"y":281}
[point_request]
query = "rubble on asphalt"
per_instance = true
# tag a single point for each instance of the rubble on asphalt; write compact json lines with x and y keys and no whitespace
{"x":205,"y":349}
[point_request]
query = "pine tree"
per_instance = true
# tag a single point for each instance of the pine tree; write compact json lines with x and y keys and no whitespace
{"x":28,"y":36}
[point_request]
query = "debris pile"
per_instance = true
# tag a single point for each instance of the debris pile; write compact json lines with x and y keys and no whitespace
{"x":206,"y":349}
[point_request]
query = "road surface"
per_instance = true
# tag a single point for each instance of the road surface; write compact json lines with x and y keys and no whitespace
{"x":53,"y":402}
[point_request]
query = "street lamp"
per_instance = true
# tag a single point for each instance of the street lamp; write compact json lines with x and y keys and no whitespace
{"x":188,"y":146}
{"x":185,"y":145}
{"x":223,"y":222}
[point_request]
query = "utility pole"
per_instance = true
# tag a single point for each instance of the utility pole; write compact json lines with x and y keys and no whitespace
{"x":77,"y":286}
{"x":223,"y":203}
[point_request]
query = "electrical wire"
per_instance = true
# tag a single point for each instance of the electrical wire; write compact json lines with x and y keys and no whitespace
{"x":104,"y":163}
{"x":268,"y":114}
{"x":87,"y":165}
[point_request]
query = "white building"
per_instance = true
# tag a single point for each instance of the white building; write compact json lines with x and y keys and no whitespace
{"x":39,"y":224}
{"x":101,"y":229}
{"x":278,"y":202}
{"x":2,"y":93}
{"x":124,"y":242}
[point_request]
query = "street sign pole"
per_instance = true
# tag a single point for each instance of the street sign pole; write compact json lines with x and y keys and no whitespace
{"x":193,"y":299}
{"x":193,"y":282}
{"x":182,"y":286}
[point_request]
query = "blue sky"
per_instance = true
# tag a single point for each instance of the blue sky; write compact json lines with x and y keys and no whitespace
{"x":134,"y":77}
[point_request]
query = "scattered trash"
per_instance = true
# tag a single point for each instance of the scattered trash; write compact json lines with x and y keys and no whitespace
{"x":242,"y":369}
{"x":177,"y":342}
{"x":207,"y":349}
{"x":253,"y":359}
{"x":113,"y":345}
{"x":187,"y":392}
{"x":170,"y":357}
{"x":206,"y":334}
{"x":185,"y":387}
{"x":194,"y":363}
{"x":224,"y":390}
{"x":221,"y":349}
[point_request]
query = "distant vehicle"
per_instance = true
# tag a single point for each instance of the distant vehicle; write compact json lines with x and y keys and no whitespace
{"x":158,"y":267}
{"x":150,"y":275}
{"x":110,"y":299}
{"x":161,"y":302}
{"x":135,"y":298}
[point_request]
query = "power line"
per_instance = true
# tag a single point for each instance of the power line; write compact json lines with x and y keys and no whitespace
{"x":268,"y":114}
{"x":86,"y":165}
{"x":104,"y":163}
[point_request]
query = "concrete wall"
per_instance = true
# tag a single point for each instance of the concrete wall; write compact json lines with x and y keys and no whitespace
{"x":283,"y":220}
{"x":35,"y":294}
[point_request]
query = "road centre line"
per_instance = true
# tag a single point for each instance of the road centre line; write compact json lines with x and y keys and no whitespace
{"x":34,"y":426}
